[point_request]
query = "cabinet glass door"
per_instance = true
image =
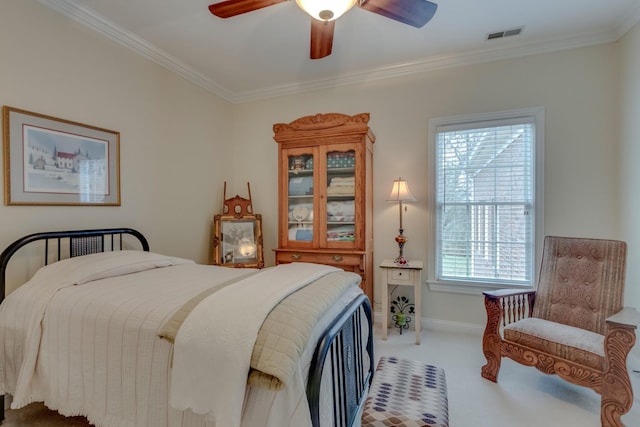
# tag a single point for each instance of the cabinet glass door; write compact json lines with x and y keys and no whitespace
{"x":300,"y":188}
{"x":341,"y":198}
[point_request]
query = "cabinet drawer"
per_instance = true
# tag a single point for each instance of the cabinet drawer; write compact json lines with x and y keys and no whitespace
{"x":328,"y":258}
{"x":400,"y":276}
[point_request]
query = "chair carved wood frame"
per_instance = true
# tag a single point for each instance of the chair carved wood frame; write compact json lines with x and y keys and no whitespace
{"x":573,"y":326}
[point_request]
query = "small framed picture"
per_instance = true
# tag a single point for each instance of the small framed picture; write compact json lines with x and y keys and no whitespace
{"x":237,"y":241}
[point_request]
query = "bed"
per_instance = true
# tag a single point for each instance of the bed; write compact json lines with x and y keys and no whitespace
{"x":101,"y":331}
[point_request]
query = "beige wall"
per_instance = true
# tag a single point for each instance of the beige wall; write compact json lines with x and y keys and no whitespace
{"x":629,"y":158}
{"x":577,"y":88}
{"x":179,"y":143}
{"x":175,"y":148}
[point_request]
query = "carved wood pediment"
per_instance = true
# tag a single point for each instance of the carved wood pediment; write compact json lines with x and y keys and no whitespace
{"x":322,"y":125}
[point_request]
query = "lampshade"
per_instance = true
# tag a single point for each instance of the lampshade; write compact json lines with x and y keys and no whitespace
{"x":326,"y":10}
{"x":400,"y":192}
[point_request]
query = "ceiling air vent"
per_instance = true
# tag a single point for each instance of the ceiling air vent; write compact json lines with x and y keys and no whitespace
{"x":505,"y":33}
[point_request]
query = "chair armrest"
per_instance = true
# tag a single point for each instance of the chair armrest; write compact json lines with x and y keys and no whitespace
{"x":628,"y":317}
{"x":510,"y":305}
{"x":502,"y":293}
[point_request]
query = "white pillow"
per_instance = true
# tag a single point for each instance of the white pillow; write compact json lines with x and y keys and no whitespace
{"x":86,"y":268}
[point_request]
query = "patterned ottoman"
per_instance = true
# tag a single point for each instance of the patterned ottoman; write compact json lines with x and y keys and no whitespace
{"x":406,"y":393}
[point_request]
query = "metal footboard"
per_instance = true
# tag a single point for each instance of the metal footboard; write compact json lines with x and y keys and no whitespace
{"x":350,"y":376}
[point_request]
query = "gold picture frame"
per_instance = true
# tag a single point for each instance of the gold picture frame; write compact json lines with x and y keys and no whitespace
{"x":52,"y":161}
{"x":237,"y":241}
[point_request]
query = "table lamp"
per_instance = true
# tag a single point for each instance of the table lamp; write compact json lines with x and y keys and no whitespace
{"x":400,"y":193}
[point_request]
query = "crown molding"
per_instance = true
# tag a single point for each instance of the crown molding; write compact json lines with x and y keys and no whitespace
{"x":436,"y":62}
{"x":627,"y":21}
{"x":74,"y":9}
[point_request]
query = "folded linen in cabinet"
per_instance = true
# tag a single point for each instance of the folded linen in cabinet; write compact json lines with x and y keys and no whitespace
{"x":304,"y":234}
{"x":343,"y":181}
{"x":341,"y":233}
{"x":341,"y":191}
{"x":341,"y":211}
{"x":300,"y":233}
{"x":301,"y":185}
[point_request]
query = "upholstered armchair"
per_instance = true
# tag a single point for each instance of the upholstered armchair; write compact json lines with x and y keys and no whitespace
{"x":573,"y":325}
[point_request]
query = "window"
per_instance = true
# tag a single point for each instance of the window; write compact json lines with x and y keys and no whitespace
{"x":487,"y":197}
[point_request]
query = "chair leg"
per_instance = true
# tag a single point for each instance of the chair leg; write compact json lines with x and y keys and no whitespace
{"x":617,"y":394}
{"x":491,"y":340}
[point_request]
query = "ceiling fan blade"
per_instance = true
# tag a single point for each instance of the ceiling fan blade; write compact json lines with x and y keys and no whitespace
{"x":229,"y":8}
{"x":412,"y":12}
{"x":321,"y":38}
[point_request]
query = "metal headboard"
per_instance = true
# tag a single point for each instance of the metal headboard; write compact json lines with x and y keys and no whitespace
{"x":78,"y":242}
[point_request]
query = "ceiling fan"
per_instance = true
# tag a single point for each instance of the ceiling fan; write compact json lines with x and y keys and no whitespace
{"x":324,"y":13}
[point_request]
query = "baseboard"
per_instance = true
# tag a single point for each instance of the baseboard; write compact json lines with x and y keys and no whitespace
{"x":441,"y":325}
{"x":451,"y":326}
{"x":633,"y":361}
{"x":633,"y":364}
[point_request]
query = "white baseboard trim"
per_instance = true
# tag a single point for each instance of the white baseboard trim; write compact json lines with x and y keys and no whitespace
{"x":441,"y":325}
{"x":451,"y":326}
{"x":634,"y":361}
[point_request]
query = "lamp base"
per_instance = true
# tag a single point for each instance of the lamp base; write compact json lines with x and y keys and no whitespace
{"x":400,"y":261}
{"x":401,"y":240}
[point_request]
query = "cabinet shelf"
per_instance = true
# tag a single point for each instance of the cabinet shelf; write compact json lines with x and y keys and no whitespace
{"x":338,"y":197}
{"x":300,"y":172}
{"x":341,"y":171}
{"x":301,"y":196}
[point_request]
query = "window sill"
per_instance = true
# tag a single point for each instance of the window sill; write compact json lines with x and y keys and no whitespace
{"x":470,"y":288}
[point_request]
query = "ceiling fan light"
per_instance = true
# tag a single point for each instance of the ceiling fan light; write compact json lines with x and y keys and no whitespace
{"x":326,"y":10}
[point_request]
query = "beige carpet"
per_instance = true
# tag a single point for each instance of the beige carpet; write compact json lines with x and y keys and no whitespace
{"x":523,"y":397}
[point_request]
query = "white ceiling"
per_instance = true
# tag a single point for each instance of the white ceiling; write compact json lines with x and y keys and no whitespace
{"x":265,"y":53}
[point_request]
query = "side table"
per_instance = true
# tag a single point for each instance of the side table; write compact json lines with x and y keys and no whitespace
{"x":405,"y":275}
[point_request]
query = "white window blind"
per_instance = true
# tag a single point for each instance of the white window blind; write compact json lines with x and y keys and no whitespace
{"x":485,"y":200}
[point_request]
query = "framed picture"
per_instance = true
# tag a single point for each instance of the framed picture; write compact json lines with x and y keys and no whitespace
{"x":52,"y":161}
{"x":237,"y":241}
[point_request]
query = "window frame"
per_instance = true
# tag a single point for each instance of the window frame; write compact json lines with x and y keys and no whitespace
{"x":537,"y":116}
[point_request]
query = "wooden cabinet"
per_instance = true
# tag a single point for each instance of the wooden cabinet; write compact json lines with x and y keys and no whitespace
{"x":325,"y":193}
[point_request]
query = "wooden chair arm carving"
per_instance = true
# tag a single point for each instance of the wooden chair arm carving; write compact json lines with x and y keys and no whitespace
{"x":503,"y":306}
{"x":511,"y":305}
{"x":618,"y":342}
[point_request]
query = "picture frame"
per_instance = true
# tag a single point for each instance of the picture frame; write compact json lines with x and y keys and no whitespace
{"x":53,"y":161}
{"x":237,"y":241}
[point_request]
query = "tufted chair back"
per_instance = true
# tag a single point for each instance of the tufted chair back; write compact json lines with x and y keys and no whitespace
{"x":581,"y":281}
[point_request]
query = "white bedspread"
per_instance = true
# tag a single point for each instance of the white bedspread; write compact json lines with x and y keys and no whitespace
{"x":93,"y":349}
{"x":39,"y":292}
{"x":208,"y":353}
